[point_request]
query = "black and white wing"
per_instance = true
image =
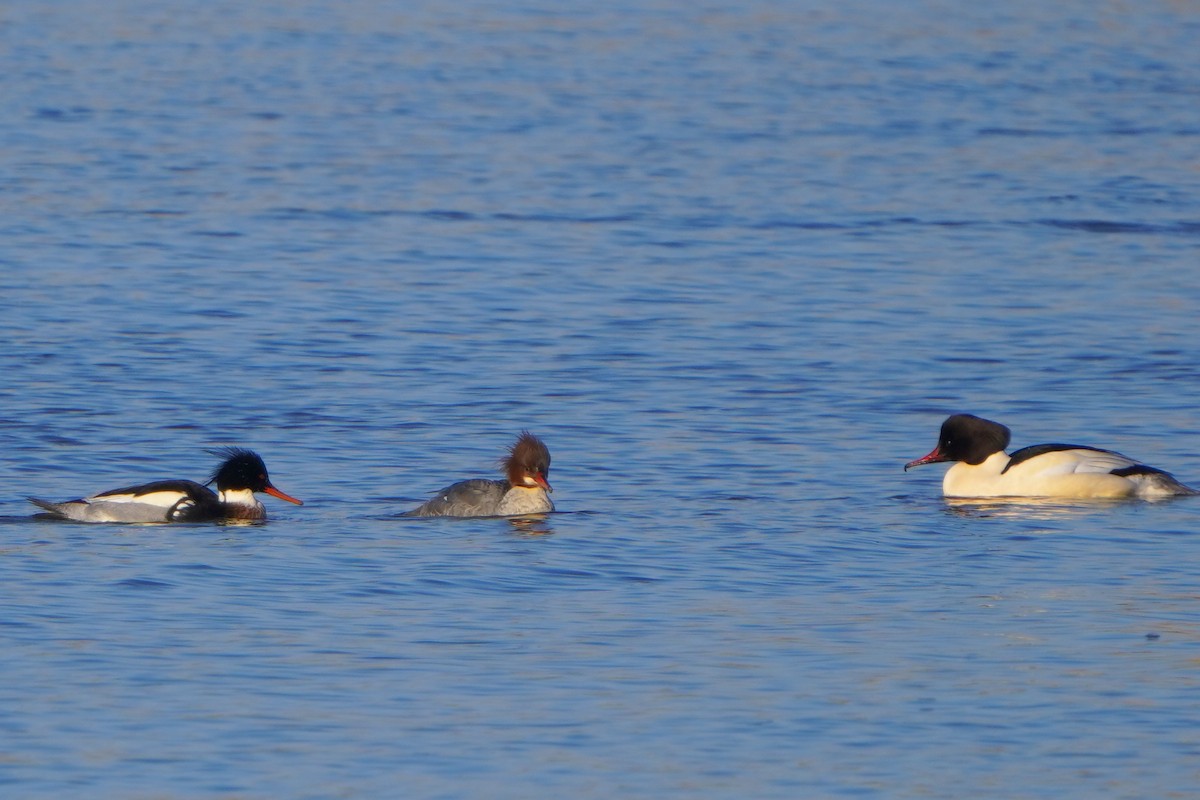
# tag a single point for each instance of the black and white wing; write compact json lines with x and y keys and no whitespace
{"x":161,"y":501}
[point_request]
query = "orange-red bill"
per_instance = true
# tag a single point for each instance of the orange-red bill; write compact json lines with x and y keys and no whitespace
{"x":271,"y":490}
{"x":541,"y":481}
{"x":933,"y":457}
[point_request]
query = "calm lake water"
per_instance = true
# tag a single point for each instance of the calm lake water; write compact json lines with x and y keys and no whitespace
{"x":733,"y":262}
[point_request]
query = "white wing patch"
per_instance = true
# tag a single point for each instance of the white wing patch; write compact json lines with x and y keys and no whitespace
{"x":163,"y":500}
{"x":1072,"y":462}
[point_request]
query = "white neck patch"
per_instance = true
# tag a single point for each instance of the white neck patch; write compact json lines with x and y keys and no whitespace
{"x":240,"y":497}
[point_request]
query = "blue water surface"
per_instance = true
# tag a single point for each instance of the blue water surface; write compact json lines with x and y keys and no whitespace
{"x":733,"y":262}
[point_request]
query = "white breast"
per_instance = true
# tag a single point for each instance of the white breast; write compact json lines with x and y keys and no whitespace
{"x":524,"y":500}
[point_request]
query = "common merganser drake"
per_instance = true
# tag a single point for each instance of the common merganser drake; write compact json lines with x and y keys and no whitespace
{"x":983,"y":469}
{"x":240,"y":475}
{"x":524,"y":491}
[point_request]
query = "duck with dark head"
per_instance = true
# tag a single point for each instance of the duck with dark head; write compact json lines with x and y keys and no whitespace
{"x":981,"y":467}
{"x":240,"y":475}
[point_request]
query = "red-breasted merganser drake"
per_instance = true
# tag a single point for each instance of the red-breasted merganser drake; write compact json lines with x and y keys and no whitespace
{"x":240,"y":475}
{"x":524,"y":491}
{"x":983,"y":469}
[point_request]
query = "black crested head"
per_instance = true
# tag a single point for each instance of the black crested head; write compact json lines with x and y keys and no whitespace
{"x":971,"y":439}
{"x":241,"y":469}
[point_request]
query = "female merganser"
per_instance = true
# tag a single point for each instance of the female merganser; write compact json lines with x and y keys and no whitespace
{"x":524,"y":492}
{"x":983,"y":469}
{"x":241,"y":475}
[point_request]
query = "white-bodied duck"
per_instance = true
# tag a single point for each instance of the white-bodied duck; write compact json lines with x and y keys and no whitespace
{"x":983,"y":469}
